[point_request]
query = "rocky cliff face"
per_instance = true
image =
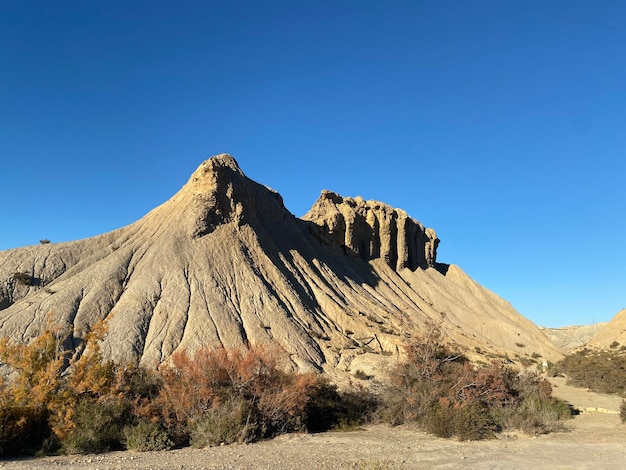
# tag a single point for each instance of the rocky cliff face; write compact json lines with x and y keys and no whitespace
{"x":223,"y":263}
{"x":372,"y":229}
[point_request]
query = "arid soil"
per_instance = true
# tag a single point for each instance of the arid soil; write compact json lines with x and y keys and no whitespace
{"x":595,"y":440}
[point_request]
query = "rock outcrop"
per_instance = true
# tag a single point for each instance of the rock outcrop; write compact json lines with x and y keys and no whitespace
{"x":372,"y":229}
{"x":223,"y":263}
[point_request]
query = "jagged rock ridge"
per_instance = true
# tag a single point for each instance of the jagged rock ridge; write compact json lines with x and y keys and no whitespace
{"x":224,"y":263}
{"x":372,"y":229}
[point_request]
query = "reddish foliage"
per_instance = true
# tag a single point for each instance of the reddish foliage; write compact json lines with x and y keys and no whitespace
{"x":193,"y":386}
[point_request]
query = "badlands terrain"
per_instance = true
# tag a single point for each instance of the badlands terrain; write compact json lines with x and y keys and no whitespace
{"x":223,"y":263}
{"x":340,"y":290}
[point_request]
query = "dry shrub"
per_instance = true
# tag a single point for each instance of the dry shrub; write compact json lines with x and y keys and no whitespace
{"x":225,"y":424}
{"x":331,"y":408}
{"x":195,"y":390}
{"x":54,"y":401}
{"x":23,"y":278}
{"x":97,"y":426}
{"x":145,"y":436}
{"x":29,"y":394}
{"x":600,"y":371}
{"x":445,"y":394}
{"x":80,"y":403}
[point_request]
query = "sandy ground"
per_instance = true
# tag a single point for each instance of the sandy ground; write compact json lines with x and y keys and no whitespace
{"x":596,"y":440}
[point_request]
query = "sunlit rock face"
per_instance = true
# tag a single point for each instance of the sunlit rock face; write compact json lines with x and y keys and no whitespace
{"x":223,"y":263}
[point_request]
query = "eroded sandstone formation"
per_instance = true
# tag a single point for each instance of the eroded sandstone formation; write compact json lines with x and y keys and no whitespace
{"x":372,"y":229}
{"x":224,"y":263}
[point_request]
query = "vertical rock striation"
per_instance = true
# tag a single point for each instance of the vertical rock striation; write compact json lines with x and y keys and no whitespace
{"x":371,"y":230}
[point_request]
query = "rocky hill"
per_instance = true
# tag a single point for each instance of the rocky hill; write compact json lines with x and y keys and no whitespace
{"x":224,"y":263}
{"x":612,"y":335}
{"x":570,"y":338}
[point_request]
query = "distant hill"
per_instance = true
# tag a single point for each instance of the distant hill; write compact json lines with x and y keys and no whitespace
{"x":612,"y":335}
{"x":570,"y":338}
{"x":223,"y":263}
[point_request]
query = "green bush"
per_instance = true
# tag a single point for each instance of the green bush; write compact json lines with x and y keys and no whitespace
{"x":146,"y":436}
{"x":534,"y":415}
{"x":227,"y":423}
{"x":473,"y":422}
{"x":98,"y":427}
{"x":600,"y":371}
{"x":329,"y":408}
{"x":470,"y":422}
{"x":439,"y":421}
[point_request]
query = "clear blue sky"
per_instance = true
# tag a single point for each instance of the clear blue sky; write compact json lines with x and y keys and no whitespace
{"x":501,"y":124}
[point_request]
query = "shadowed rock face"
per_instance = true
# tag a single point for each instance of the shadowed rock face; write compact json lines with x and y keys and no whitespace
{"x":223,"y":263}
{"x":372,"y":229}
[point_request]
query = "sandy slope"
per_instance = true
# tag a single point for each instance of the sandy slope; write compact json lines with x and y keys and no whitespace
{"x":613,"y":334}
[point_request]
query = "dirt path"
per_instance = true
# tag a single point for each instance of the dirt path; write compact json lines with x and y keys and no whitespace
{"x":596,"y":441}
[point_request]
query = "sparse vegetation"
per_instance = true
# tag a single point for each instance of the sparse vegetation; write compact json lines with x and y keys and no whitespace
{"x":359,"y":374}
{"x":23,"y":278}
{"x":441,"y":391}
{"x":600,"y":371}
{"x":44,"y":241}
{"x":58,"y":401}
{"x":145,"y":436}
{"x":81,"y":404}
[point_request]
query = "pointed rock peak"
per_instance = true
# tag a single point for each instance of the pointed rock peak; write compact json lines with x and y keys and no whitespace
{"x":218,"y":192}
{"x":216,"y":170}
{"x":372,"y":229}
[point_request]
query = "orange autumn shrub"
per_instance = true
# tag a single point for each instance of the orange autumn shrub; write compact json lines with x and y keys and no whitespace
{"x":220,"y":396}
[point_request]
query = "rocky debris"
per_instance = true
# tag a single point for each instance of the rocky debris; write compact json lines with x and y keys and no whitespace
{"x":372,"y":229}
{"x":223,"y":263}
